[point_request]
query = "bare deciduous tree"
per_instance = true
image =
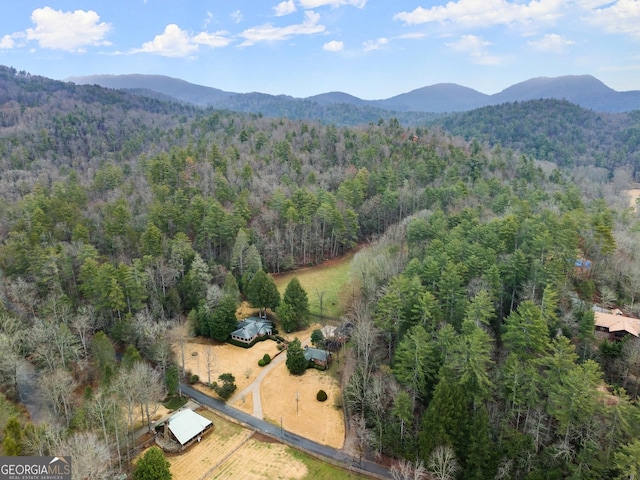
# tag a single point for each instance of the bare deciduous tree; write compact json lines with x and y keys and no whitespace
{"x":443,"y":464}
{"x":363,"y":436}
{"x":83,"y":324}
{"x":405,"y":470}
{"x":209,"y":359}
{"x":149,"y":388}
{"x":179,"y":334}
{"x":90,"y":454}
{"x":58,"y":388}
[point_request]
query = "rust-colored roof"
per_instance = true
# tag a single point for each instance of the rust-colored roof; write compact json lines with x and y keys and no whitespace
{"x":618,"y":323}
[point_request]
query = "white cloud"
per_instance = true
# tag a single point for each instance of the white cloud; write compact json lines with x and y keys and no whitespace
{"x":214,"y":40}
{"x":473,"y":13}
{"x":476,"y":49}
{"x":11,"y":41}
{"x":471,"y":44}
{"x":285,"y":8}
{"x":375,"y":44}
{"x":269,"y":33}
{"x":70,"y":31}
{"x":174,"y":42}
{"x":412,"y":36}
{"x":237,"y":16}
{"x":622,"y":16}
{"x":551,"y":43}
{"x":333,"y":46}
{"x":6,"y":42}
{"x":331,"y":3}
{"x":208,"y":20}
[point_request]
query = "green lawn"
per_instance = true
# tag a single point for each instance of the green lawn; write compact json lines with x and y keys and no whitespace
{"x":318,"y":470}
{"x":331,"y":280}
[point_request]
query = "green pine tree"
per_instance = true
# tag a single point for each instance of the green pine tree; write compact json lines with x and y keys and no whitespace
{"x":152,"y":466}
{"x":296,"y":297}
{"x":296,"y":363}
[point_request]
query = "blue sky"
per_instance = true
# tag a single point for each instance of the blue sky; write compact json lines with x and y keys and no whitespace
{"x":373,"y":49}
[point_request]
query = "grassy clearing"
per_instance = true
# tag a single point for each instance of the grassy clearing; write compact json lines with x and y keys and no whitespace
{"x":317,"y":470}
{"x":333,"y":278}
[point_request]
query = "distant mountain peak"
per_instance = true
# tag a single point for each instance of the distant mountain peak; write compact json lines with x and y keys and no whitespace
{"x":583,"y":90}
{"x":569,"y":87}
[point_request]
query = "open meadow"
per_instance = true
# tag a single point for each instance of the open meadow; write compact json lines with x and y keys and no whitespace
{"x":330,"y":280}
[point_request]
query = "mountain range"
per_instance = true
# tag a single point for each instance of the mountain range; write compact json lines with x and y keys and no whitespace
{"x":583,"y":90}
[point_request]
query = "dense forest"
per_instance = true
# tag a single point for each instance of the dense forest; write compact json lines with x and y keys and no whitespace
{"x":554,"y":130}
{"x":127,"y":223}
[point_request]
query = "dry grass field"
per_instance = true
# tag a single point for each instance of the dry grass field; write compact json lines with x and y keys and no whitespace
{"x":321,"y":422}
{"x":226,"y":358}
{"x":257,"y":460}
{"x":245,"y":403}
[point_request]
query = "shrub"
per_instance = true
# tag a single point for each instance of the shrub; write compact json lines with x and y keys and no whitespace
{"x":261,"y":363}
{"x":266,"y":359}
{"x":175,"y":402}
{"x":228,"y":386}
{"x":193,"y":379}
{"x":321,"y":396}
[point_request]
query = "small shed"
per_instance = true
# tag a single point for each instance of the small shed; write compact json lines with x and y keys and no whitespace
{"x":186,"y":426}
{"x":319,"y":358}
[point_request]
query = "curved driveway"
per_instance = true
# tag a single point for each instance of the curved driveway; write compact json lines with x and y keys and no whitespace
{"x":254,"y":387}
{"x":336,"y":456}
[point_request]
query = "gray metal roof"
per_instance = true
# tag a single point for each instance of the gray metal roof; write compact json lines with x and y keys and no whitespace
{"x":251,"y":327}
{"x":316,"y":354}
{"x":186,"y":424}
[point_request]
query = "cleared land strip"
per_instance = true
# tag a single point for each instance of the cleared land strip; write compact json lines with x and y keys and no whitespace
{"x":237,"y":447}
{"x":257,"y":460}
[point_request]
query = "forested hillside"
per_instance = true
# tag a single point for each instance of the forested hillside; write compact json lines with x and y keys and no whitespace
{"x":128,"y":223}
{"x":554,"y":130}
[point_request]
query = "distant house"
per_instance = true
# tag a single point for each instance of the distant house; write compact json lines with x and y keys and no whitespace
{"x":251,"y":330}
{"x":336,"y":337}
{"x":320,"y":358}
{"x":616,"y":326}
{"x":186,"y":426}
{"x":582,"y":268}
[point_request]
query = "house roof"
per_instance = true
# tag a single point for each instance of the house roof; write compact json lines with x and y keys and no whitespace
{"x":251,"y":327}
{"x":316,"y":354}
{"x":186,"y":424}
{"x":617,"y":323}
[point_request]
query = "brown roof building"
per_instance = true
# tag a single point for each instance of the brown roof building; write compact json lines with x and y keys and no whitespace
{"x":617,"y":326}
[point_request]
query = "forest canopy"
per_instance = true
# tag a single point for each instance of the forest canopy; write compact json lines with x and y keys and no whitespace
{"x":127,"y":224}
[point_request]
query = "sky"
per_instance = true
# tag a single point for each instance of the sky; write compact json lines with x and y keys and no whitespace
{"x":373,"y":49}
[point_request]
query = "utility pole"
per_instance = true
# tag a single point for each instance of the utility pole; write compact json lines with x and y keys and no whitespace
{"x":297,"y":402}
